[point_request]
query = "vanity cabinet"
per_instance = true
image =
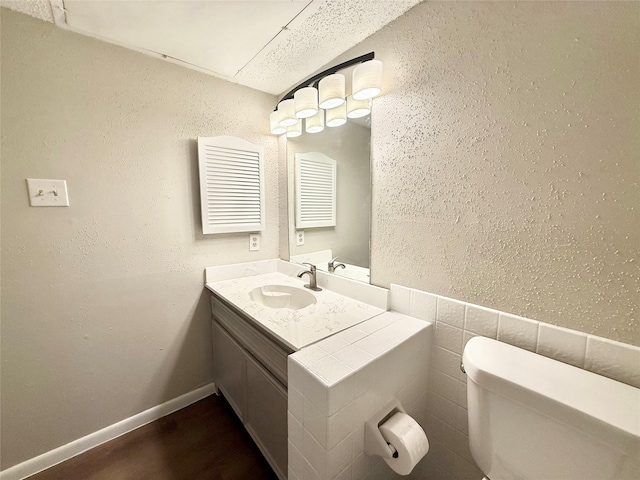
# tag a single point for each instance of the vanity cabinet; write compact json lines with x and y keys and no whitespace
{"x":250,"y":368}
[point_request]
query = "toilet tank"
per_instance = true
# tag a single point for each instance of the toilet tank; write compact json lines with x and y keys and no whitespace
{"x":531,"y":417}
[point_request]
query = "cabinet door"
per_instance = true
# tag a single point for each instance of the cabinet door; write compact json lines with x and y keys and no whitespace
{"x":266,"y":416}
{"x":229,"y":369}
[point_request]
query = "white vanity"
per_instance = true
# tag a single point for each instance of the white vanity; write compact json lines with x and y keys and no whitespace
{"x":261,"y":314}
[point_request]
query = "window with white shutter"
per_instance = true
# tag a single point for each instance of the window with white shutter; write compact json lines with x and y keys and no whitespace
{"x":231,"y":185}
{"x":315,"y":190}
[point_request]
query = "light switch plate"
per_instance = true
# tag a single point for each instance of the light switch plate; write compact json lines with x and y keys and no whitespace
{"x":254,"y":241}
{"x":300,"y":237}
{"x":47,"y":192}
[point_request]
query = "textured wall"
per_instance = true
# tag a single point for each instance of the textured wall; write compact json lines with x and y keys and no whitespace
{"x":103,"y":311}
{"x":505,"y":159}
{"x":349,"y":147}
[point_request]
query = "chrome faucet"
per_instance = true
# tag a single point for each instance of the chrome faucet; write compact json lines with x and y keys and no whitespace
{"x":332,"y":266}
{"x":313,"y":282}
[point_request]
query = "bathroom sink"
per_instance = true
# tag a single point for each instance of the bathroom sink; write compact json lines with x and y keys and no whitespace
{"x":282,"y":296}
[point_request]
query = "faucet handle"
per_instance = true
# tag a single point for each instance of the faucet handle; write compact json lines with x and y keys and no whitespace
{"x":334,"y":259}
{"x":312,"y":267}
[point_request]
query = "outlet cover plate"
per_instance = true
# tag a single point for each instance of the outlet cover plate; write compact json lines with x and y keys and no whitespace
{"x":254,"y":241}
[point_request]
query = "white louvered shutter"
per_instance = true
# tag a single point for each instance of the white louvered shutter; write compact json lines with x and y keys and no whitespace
{"x":231,"y":185}
{"x":315,"y":190}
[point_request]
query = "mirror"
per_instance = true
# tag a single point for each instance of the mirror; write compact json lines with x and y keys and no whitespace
{"x":349,"y":146}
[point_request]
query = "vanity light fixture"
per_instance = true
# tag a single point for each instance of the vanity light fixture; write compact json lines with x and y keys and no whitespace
{"x":336,"y":116}
{"x":331,"y":90}
{"x":367,"y":80}
{"x":306,"y":102}
{"x":320,"y":100}
{"x":273,"y":124}
{"x":358,"y":108}
{"x":286,"y":113}
{"x":294,"y":130}
{"x":315,"y":124}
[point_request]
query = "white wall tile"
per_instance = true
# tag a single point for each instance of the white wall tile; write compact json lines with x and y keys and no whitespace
{"x":462,"y":447}
{"x":462,"y":394}
{"x":360,"y":467}
{"x":424,"y":305}
{"x":462,"y":420}
{"x":614,"y":360}
{"x":482,"y":321}
{"x":444,"y":385}
{"x":400,"y":299}
{"x":315,"y":422}
{"x":441,"y":454}
{"x":434,"y":471}
{"x":562,"y":344}
{"x":315,"y":454}
{"x":340,"y":394}
{"x":353,"y":357}
{"x":332,"y":344}
{"x":339,"y":457}
{"x":446,"y":361}
{"x":440,"y":430}
{"x":295,"y":373}
{"x":451,"y":312}
{"x":518,"y":331}
{"x":300,"y":466}
{"x":330,"y":369}
{"x":295,"y":429}
{"x":443,"y":409}
{"x":291,"y":475}
{"x":448,"y":337}
{"x":410,"y":392}
{"x":464,"y":470}
{"x":352,"y":335}
{"x":365,"y":380}
{"x":339,"y":425}
{"x":344,"y":474}
{"x":376,"y":323}
{"x":310,"y":354}
{"x":295,"y":403}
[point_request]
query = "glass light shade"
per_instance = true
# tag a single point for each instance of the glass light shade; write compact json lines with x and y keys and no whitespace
{"x":294,"y":130}
{"x":286,"y":113}
{"x":306,"y":102}
{"x":332,"y":91}
{"x":315,"y":124}
{"x":358,"y":108}
{"x":273,"y":124}
{"x":367,"y":80}
{"x":336,"y":116}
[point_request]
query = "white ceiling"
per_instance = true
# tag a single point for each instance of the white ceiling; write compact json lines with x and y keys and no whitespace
{"x":269,"y":45}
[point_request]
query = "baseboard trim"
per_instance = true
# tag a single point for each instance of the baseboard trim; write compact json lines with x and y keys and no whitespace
{"x":70,"y":450}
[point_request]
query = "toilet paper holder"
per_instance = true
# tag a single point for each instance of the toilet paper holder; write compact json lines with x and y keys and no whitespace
{"x":374,"y":442}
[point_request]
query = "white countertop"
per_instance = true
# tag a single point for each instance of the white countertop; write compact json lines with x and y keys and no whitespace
{"x":296,"y":328}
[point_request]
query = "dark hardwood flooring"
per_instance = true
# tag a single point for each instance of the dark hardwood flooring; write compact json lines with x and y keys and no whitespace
{"x":202,"y":441}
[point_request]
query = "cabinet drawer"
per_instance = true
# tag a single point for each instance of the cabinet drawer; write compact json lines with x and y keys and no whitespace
{"x":271,"y":355}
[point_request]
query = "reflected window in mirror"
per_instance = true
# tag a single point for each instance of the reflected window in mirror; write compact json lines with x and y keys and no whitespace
{"x":349,"y":146}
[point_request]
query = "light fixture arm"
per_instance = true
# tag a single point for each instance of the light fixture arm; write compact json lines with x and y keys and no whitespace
{"x":313,"y":81}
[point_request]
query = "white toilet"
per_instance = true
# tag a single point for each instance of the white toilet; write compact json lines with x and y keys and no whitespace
{"x":534,"y":418}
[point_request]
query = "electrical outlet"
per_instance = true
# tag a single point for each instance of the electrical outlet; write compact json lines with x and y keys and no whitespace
{"x":47,"y":193}
{"x":300,"y":237}
{"x":254,"y":241}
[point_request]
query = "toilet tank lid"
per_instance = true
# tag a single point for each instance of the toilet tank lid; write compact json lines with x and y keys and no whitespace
{"x":587,"y":402}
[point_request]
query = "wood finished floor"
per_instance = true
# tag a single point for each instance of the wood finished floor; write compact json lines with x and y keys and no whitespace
{"x":204,"y":441}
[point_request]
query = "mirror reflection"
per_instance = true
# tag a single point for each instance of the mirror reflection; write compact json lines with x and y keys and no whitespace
{"x":329,"y":226}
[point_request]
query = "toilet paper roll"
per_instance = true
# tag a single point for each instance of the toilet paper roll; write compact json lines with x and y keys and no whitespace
{"x":409,"y":440}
